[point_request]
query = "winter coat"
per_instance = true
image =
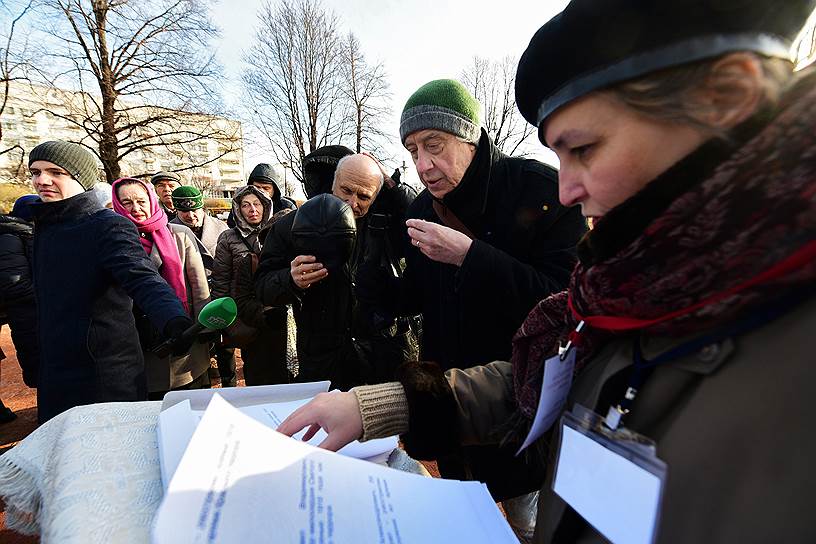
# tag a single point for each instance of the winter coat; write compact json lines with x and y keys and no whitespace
{"x":176,"y":371}
{"x":265,"y":356}
{"x":323,"y":313}
{"x":524,"y":250}
{"x":235,"y":243}
{"x":17,"y":293}
{"x":389,"y":340}
{"x":211,"y":229}
{"x":728,"y":425}
{"x":89,"y":267}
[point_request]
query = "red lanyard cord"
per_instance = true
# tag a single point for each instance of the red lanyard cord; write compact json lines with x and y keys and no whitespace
{"x":793,"y":262}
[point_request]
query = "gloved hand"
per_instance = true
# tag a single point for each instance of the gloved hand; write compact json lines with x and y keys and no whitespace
{"x":174,"y":331}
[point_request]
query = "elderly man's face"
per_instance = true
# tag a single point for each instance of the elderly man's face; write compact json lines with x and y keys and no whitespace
{"x":357,"y":182}
{"x":164,"y":190}
{"x":192,"y":218}
{"x":441,"y":159}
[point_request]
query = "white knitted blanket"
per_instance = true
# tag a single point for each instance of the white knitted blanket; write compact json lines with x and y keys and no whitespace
{"x":91,"y":474}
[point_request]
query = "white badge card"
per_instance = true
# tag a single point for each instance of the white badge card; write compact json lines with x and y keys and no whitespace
{"x":555,"y":388}
{"x":613,"y":479}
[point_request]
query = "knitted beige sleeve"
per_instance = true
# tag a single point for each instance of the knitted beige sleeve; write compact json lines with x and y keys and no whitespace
{"x":384,"y":409}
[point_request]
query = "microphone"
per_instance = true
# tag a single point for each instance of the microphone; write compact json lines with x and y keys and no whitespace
{"x":217,"y":314}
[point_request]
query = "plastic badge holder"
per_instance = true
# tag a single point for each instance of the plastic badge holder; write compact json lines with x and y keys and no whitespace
{"x":612,"y":478}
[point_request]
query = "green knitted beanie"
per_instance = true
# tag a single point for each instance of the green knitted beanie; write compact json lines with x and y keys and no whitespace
{"x":442,"y":104}
{"x":73,"y":158}
{"x":158,"y":176}
{"x":187,"y":198}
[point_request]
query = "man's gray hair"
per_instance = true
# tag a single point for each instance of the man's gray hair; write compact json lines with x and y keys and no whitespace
{"x":380,"y":176}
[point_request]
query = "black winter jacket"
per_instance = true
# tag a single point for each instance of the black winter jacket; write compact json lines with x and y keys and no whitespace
{"x":524,"y":250}
{"x":323,"y":312}
{"x":88,"y":263}
{"x":17,"y":293}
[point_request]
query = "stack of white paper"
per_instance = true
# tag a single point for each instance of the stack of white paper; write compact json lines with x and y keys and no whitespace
{"x":269,"y":405}
{"x":240,"y":481}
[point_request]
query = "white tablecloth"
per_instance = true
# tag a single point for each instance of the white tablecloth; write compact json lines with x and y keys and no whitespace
{"x":92,"y":475}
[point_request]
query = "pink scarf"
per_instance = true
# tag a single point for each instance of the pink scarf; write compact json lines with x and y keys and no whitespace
{"x":154,"y":231}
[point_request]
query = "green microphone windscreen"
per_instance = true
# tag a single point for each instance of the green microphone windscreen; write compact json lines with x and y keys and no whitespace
{"x":218,"y":314}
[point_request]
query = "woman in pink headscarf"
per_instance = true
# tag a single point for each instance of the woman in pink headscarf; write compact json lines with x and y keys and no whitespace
{"x":173,"y":250}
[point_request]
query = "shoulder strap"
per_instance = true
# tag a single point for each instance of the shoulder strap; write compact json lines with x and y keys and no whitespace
{"x":244,"y":240}
{"x":450,"y":219}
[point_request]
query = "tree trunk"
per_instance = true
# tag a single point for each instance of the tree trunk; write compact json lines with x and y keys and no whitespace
{"x":108,"y":143}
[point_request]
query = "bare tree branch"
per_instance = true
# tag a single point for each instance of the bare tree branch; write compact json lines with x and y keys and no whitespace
{"x":493,"y":83}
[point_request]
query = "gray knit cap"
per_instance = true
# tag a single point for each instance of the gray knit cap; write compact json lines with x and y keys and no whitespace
{"x":158,"y":176}
{"x":442,"y":104}
{"x":73,"y":158}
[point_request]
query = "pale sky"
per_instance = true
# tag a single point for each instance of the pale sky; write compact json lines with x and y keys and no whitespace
{"x":418,"y":40}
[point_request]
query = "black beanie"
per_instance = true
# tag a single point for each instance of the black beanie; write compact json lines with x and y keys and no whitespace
{"x":595,"y":44}
{"x":319,"y":167}
{"x":73,"y":158}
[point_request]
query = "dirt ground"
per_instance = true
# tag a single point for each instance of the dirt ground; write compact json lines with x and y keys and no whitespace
{"x":23,"y":402}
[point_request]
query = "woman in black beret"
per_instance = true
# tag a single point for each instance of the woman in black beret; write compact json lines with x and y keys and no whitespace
{"x":683,"y":130}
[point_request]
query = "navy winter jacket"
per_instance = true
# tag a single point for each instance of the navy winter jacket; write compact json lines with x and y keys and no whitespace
{"x":89,"y":267}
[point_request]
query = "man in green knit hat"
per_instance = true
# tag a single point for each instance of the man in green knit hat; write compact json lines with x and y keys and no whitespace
{"x":490,"y":239}
{"x":188,"y":201}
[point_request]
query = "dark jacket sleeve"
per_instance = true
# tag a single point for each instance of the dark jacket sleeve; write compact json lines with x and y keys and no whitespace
{"x":121,"y":254}
{"x":250,"y":309}
{"x":516,"y":285}
{"x":15,"y":274}
{"x":221,"y":278}
{"x":273,"y":282}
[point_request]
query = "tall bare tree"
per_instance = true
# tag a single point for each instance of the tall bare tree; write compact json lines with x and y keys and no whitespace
{"x":14,"y":66}
{"x":144,"y":72}
{"x":492,"y":82}
{"x":365,"y":86}
{"x":294,"y":78}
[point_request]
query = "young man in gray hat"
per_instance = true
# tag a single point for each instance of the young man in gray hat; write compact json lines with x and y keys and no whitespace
{"x":89,"y":347}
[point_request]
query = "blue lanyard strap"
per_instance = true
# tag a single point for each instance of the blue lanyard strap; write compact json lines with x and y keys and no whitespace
{"x":643,"y":367}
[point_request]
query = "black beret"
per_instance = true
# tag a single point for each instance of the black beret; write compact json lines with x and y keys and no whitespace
{"x":594,"y":44}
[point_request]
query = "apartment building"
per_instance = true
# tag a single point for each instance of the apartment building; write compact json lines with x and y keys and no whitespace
{"x":35,"y":114}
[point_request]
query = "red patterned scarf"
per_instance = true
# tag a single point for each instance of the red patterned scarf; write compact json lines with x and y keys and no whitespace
{"x":736,"y":216}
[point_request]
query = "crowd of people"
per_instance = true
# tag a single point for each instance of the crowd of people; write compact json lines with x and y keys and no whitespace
{"x":683,"y":132}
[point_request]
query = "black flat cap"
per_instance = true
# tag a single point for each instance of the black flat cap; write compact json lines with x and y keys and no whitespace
{"x":594,"y":44}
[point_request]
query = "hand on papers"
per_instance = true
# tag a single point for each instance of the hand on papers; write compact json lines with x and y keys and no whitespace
{"x":336,"y":413}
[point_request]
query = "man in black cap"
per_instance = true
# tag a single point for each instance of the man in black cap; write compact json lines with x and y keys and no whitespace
{"x":165,"y":183}
{"x":89,"y":346}
{"x":322,"y":292}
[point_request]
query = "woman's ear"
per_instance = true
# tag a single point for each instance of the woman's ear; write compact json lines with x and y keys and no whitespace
{"x":733,"y":91}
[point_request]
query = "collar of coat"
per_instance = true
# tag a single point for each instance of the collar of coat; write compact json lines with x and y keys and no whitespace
{"x":75,"y":207}
{"x":468,"y":200}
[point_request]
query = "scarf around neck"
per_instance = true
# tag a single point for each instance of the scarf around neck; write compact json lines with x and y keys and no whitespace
{"x":154,"y":232}
{"x":722,"y":216}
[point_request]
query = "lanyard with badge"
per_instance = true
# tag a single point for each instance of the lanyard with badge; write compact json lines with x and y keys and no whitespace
{"x":608,"y":474}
